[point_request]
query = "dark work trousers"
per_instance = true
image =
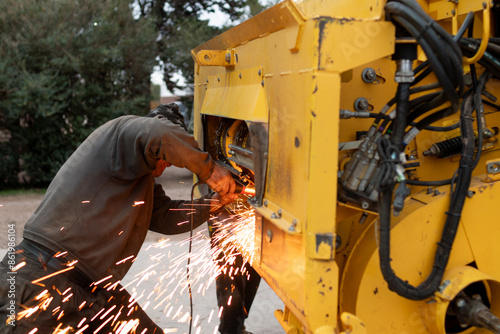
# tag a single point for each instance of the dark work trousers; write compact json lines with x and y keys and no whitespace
{"x":235,"y":294}
{"x":62,"y":301}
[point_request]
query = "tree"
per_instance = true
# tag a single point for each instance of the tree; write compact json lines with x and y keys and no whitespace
{"x":180,"y":29}
{"x":66,"y":67}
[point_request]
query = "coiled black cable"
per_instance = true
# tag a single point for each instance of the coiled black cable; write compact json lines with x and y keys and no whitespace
{"x":445,"y":59}
{"x":431,"y":283}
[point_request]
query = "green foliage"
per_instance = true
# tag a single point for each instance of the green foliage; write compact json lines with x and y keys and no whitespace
{"x":181,"y":29}
{"x":66,"y":67}
{"x":155,"y":92}
{"x":23,"y":192}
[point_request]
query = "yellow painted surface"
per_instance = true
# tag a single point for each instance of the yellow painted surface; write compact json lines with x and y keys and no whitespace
{"x":295,"y":66}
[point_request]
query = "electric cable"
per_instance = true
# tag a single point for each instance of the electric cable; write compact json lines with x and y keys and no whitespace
{"x":188,"y":278}
{"x":479,"y":114}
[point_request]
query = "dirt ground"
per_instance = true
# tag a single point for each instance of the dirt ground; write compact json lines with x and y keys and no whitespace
{"x":18,"y":209}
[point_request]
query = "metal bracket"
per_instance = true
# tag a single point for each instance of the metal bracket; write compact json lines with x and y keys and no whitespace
{"x":224,"y":58}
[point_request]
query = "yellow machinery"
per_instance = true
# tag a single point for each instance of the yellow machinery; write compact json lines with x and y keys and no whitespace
{"x":369,"y":130}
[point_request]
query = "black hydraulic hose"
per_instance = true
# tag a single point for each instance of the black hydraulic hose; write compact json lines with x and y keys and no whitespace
{"x":432,"y":282}
{"x":467,"y":22}
{"x":402,"y":107}
{"x":431,"y":100}
{"x":442,"y":128}
{"x":422,"y":108}
{"x":424,"y":88}
{"x":491,"y":63}
{"x":434,"y":117}
{"x":421,"y":67}
{"x":423,"y":75}
{"x":428,"y":183}
{"x":491,"y":104}
{"x":455,"y":55}
{"x":443,"y":53}
{"x":445,"y":78}
{"x":424,"y":124}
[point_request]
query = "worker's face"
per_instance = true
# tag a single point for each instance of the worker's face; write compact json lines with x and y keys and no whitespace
{"x":160,"y":167}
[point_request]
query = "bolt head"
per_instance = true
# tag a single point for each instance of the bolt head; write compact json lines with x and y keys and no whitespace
{"x":269,"y":235}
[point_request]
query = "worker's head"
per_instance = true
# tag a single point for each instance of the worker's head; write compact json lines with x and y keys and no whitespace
{"x":169,"y":111}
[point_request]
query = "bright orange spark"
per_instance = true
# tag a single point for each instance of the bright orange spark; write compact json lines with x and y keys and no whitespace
{"x":67,"y":298}
{"x":125,"y":259}
{"x":59,"y":254}
{"x":51,"y":275}
{"x":81,"y":323}
{"x":102,"y":280}
{"x":83,"y":329}
{"x":19,"y":266}
{"x":41,"y":294}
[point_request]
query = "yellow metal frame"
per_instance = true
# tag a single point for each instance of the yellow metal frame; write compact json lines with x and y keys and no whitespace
{"x":294,"y":67}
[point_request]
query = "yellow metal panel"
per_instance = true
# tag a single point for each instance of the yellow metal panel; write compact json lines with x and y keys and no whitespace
{"x":237,"y":94}
{"x":344,"y":45}
{"x":281,"y":218}
{"x":443,"y":9}
{"x":483,"y":232}
{"x":355,"y":8}
{"x":413,"y":242}
{"x":278,"y":17}
{"x":289,"y":140}
{"x":321,"y":271}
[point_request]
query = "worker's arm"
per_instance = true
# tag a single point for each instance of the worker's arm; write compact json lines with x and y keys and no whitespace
{"x":173,"y":217}
{"x":143,"y":141}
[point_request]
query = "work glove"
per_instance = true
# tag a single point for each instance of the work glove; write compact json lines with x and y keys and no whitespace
{"x":222,"y":182}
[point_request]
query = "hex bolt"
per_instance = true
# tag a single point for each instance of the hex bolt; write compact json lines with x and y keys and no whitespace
{"x":269,"y":236}
{"x":493,"y":167}
{"x":265,"y":202}
{"x":369,"y":75}
{"x":279,"y":213}
{"x":361,"y":104}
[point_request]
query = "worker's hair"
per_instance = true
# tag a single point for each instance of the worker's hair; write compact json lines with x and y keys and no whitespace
{"x":169,"y":111}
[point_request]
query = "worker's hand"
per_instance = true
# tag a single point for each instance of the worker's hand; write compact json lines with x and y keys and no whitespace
{"x":221,"y":181}
{"x":219,"y":201}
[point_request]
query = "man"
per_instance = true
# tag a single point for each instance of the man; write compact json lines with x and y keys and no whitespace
{"x":88,"y":229}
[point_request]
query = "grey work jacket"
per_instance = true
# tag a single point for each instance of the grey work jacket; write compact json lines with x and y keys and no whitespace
{"x":103,"y":200}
